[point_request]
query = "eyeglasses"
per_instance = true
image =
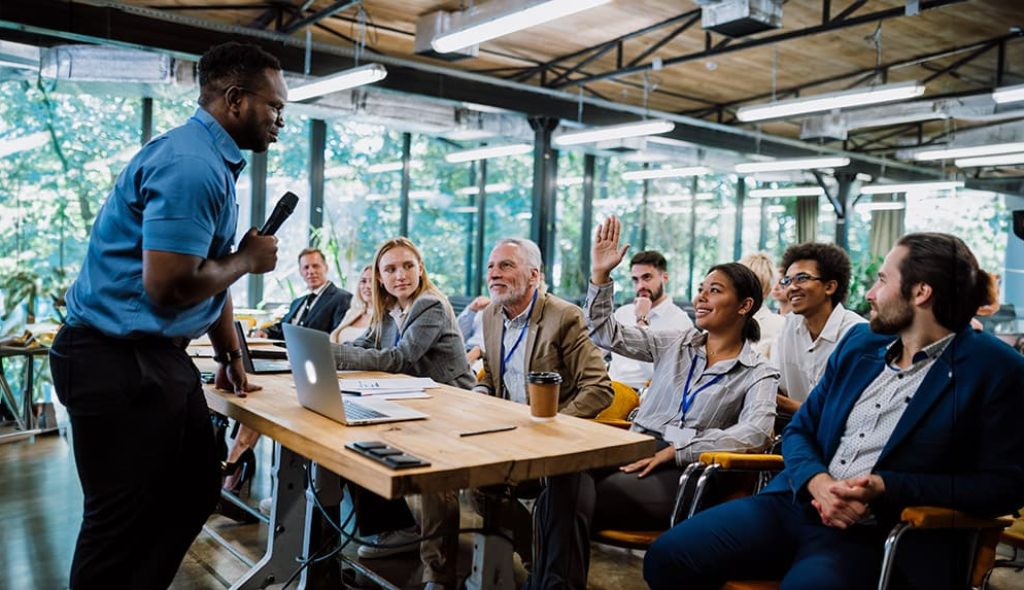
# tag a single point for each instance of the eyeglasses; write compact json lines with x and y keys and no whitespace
{"x":273,"y":104}
{"x":798,"y":279}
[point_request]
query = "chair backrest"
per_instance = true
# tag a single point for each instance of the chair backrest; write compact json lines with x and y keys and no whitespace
{"x":626,"y":399}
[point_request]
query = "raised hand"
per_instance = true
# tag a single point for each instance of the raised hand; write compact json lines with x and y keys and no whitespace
{"x":606,"y":254}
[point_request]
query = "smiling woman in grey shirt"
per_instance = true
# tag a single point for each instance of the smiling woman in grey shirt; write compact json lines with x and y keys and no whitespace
{"x":710,"y":391}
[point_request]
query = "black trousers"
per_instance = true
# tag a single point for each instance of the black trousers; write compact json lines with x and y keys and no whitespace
{"x":572,"y":506}
{"x":145,"y":453}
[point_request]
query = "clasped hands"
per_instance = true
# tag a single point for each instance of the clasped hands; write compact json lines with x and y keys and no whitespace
{"x":841,"y":503}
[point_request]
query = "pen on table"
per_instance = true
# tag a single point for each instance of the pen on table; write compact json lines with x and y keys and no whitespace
{"x":487,"y":431}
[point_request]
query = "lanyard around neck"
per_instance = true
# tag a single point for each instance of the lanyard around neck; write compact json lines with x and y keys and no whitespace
{"x":688,"y":396}
{"x":505,"y":358}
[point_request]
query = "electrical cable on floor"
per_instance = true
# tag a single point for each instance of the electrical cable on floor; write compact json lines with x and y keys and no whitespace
{"x":349,"y":537}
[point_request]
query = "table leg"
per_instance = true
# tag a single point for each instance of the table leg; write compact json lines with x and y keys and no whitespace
{"x":297,"y":528}
{"x":492,"y":552}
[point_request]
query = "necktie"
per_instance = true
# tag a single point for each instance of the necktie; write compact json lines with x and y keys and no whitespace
{"x":305,"y":308}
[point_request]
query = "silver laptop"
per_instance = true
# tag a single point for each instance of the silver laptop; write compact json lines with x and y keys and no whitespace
{"x":316,"y":382}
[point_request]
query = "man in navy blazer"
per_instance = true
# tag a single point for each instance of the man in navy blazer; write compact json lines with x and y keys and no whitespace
{"x":918,"y":410}
{"x":320,"y":309}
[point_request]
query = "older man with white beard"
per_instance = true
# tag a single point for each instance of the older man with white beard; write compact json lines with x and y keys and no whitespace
{"x":527,"y":329}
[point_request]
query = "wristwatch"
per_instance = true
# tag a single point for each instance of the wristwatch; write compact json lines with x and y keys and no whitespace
{"x":226,"y":357}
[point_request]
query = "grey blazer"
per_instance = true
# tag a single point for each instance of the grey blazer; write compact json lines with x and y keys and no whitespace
{"x":430,"y":345}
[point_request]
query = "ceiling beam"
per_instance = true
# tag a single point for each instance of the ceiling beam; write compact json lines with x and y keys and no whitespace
{"x":52,"y":22}
{"x":866,"y":73}
{"x":318,"y":16}
{"x":833,"y":25}
{"x":527,"y":74}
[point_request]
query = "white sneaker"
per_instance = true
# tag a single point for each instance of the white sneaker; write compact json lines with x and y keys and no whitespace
{"x":405,"y":537}
{"x":265,"y":505}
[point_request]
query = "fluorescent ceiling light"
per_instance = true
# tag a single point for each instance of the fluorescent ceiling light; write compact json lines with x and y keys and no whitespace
{"x":884,"y":189}
{"x":881,"y":206}
{"x":360,"y":76}
{"x":497,"y":18}
{"x":597,"y":134}
{"x":570,"y":181}
{"x":797,"y":164}
{"x":666,"y":173}
{"x":422,"y":194}
{"x":28,"y":142}
{"x":1001,"y":160}
{"x":391,"y":166}
{"x":465,"y":209}
{"x":857,"y":97}
{"x":1008,"y":94}
{"x":496,"y":151}
{"x":498,"y":187}
{"x":792,"y":191}
{"x":469,"y":134}
{"x":678,"y":198}
{"x":970,"y":152}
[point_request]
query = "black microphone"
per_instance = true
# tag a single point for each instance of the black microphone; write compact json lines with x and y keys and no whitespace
{"x":282,"y":210}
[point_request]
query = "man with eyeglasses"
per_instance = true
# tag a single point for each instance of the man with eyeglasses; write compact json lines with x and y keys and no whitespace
{"x":816,"y":282}
{"x":155,"y":276}
{"x":914,"y":409}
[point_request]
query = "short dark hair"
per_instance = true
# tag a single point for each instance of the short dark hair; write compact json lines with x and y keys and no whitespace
{"x":651,"y":257}
{"x":833,"y":265}
{"x":232,"y":64}
{"x":308,"y":251}
{"x":947,"y":265}
{"x":746,"y":284}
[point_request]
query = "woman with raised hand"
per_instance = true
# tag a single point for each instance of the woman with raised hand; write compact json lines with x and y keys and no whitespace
{"x":357,"y":318}
{"x":711,"y":391}
{"x":412,"y":330}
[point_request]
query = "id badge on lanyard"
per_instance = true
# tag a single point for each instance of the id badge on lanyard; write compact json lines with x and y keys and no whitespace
{"x":678,"y":434}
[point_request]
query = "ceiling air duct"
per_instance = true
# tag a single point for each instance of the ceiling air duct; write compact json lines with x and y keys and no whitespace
{"x":432,"y":25}
{"x":739,"y":18}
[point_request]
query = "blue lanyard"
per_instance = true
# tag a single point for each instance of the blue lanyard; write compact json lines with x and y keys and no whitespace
{"x":688,"y":397}
{"x":522,"y":332}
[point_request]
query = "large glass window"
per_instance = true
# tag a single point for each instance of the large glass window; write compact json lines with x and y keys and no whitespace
{"x":288,"y":170}
{"x":566,"y":267}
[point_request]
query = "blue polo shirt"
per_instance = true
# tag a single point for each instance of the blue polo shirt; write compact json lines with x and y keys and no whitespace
{"x":176,"y":195}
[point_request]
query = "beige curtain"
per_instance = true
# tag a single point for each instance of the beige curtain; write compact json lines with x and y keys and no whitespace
{"x":807,"y":210}
{"x":886,"y":228}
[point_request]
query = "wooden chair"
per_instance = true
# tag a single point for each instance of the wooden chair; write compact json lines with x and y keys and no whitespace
{"x":625,"y":401}
{"x":984,"y":538}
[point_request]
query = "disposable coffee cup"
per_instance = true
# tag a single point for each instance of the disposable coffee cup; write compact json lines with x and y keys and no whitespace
{"x":543,"y":391}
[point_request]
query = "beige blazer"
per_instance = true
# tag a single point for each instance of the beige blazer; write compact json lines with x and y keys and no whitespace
{"x":556,"y":341}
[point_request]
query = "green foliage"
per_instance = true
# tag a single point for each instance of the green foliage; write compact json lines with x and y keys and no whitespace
{"x":862,"y":276}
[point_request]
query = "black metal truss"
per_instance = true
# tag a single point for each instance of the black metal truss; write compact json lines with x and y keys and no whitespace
{"x":977,"y":49}
{"x":841,"y":21}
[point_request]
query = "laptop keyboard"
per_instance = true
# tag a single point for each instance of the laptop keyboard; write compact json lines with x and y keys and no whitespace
{"x":358,"y":412}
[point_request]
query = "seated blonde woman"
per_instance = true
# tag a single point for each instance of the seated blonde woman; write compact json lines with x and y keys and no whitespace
{"x":412,"y":330}
{"x":357,"y":318}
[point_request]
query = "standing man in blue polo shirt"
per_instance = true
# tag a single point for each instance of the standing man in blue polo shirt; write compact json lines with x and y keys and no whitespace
{"x":155,"y":276}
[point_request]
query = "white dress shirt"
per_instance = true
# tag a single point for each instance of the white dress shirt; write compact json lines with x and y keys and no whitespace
{"x":664,"y":317}
{"x":800,"y":360}
{"x":771,"y":326}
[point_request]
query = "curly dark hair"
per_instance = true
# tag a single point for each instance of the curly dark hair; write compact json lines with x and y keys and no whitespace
{"x":833,"y":265}
{"x":232,"y":64}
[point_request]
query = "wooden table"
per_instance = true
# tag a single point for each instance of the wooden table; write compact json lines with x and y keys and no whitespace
{"x":531,"y":451}
{"x":23,"y":413}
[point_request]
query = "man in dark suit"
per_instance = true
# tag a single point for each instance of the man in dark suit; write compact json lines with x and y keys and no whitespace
{"x":917,"y":410}
{"x":320,"y":309}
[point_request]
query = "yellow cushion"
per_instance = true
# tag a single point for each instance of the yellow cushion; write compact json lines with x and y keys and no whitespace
{"x":627,"y":538}
{"x":625,"y":400}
